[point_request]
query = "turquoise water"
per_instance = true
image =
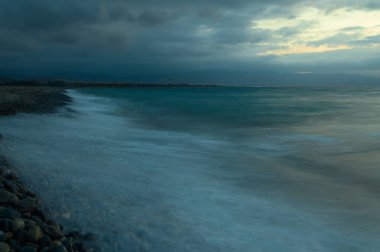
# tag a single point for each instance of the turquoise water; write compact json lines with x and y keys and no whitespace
{"x":209,"y":169}
{"x":221,"y":108}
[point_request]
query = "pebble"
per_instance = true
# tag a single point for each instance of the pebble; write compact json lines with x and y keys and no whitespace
{"x":28,"y":249}
{"x":15,"y":245}
{"x":17,"y":224}
{"x":45,"y":241}
{"x":4,"y":247}
{"x":53,"y":231}
{"x":28,"y":203}
{"x":24,"y":226}
{"x":59,"y":248}
{"x":4,"y":225}
{"x":33,"y":233}
{"x":11,"y":175}
{"x":7,"y":197}
{"x":9,"y":213}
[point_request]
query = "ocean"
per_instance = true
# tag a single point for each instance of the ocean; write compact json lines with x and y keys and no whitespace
{"x":208,"y":169}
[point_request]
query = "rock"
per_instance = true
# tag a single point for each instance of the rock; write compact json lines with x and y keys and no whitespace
{"x":79,"y":247}
{"x":59,"y":248}
{"x":40,"y":214}
{"x":3,"y":169}
{"x":52,"y":223}
{"x":5,"y":225}
{"x":30,"y":222}
{"x":8,"y":235}
{"x":15,"y":245}
{"x":28,"y":249}
{"x":7,"y":197}
{"x":20,"y":236}
{"x":36,"y":220}
{"x":55,"y":243}
{"x":74,"y":234}
{"x":17,"y":224}
{"x":11,"y":175}
{"x":28,"y":203}
{"x":24,"y":226}
{"x":68,"y":243}
{"x":11,"y":186}
{"x":9,"y":213}
{"x":53,"y":231}
{"x":32,"y":245}
{"x":45,"y":241}
{"x":26,"y":215}
{"x":4,"y":247}
{"x":33,"y":233}
{"x":2,"y":236}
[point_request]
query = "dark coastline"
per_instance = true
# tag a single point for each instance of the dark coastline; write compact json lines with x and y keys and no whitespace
{"x":84,"y":84}
{"x":24,"y":226}
{"x":31,"y":99}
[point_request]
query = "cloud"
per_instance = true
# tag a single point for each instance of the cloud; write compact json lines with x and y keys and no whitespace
{"x":119,"y":38}
{"x":320,"y":32}
{"x":302,"y":49}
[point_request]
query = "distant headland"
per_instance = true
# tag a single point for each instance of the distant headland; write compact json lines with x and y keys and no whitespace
{"x":84,"y":84}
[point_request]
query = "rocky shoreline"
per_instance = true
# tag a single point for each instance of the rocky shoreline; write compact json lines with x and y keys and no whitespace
{"x":14,"y":99}
{"x":24,"y":226}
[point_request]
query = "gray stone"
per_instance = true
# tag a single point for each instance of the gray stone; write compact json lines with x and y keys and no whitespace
{"x":15,"y":245}
{"x":9,"y":213}
{"x":45,"y":241}
{"x":10,"y":175}
{"x":28,"y":203}
{"x":5,"y":225}
{"x":59,"y":248}
{"x":28,"y":249}
{"x":33,"y":233}
{"x":7,"y":197}
{"x":20,"y":236}
{"x":17,"y":224}
{"x":4,"y":247}
{"x":11,"y":185}
{"x":2,"y":236}
{"x":53,"y":231}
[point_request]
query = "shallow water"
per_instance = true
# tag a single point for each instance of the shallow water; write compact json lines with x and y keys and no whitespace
{"x":213,"y":169}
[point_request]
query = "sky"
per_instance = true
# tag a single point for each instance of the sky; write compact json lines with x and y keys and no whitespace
{"x":242,"y":42}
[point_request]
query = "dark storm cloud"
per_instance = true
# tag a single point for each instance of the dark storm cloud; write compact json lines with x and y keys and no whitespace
{"x":117,"y":39}
{"x":34,"y":23}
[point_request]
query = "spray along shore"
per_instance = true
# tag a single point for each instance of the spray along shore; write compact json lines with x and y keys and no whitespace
{"x":24,"y":226}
